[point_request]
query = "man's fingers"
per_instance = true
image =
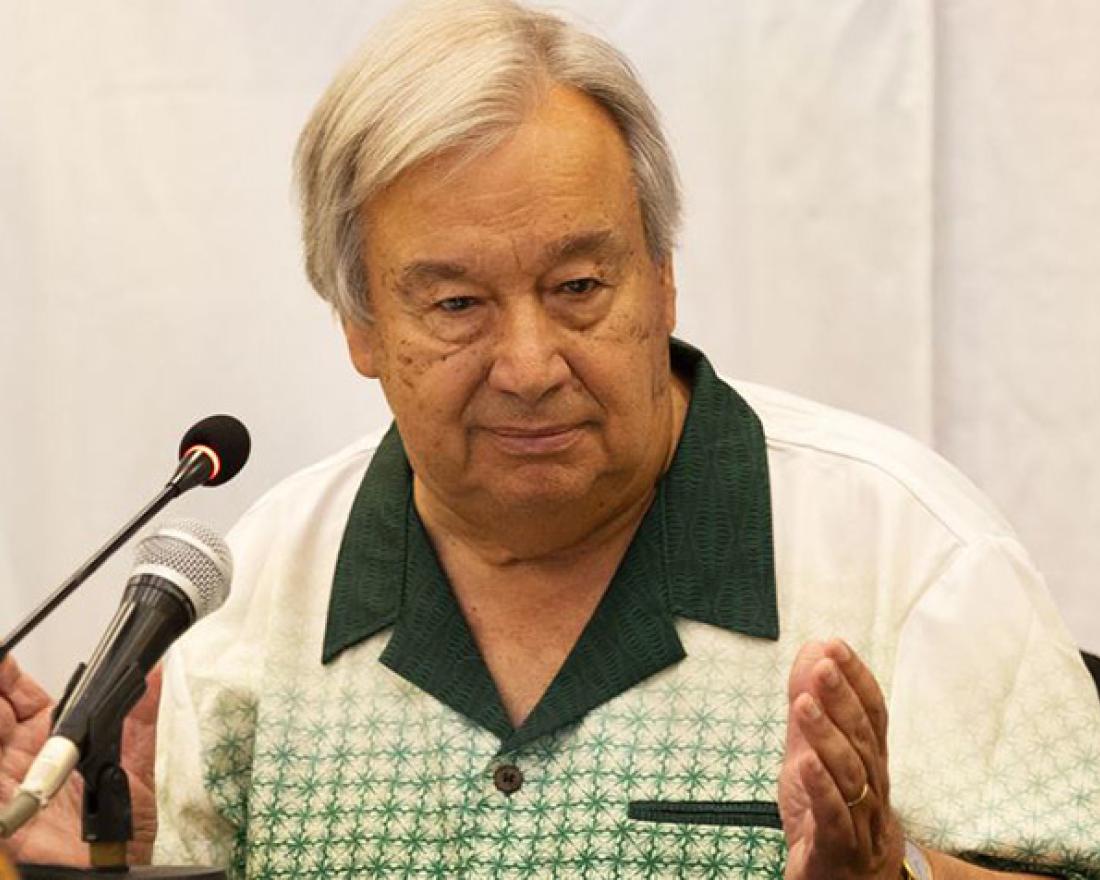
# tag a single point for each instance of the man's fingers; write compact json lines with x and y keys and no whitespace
{"x":802,"y":668}
{"x":145,"y":712}
{"x":24,"y":720}
{"x":7,"y":722}
{"x":864,"y":684}
{"x":833,"y":748}
{"x":23,"y":693}
{"x":845,"y":833}
{"x":9,"y":672}
{"x":854,"y":781}
{"x":846,"y":710}
{"x":835,"y":833}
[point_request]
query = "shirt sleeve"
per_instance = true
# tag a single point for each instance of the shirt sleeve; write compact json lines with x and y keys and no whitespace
{"x":995,"y":722}
{"x":204,"y":758}
{"x":206,"y":727}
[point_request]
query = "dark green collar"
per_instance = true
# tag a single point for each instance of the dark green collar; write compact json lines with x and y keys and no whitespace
{"x":703,"y":552}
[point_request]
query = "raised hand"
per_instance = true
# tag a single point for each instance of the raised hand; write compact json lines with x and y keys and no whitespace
{"x":54,"y":835}
{"x":834,"y":788}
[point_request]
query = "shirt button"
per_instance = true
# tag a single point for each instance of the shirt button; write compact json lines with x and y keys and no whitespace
{"x":508,"y":779}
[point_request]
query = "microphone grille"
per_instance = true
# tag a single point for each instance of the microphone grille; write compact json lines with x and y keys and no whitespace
{"x":194,"y":558}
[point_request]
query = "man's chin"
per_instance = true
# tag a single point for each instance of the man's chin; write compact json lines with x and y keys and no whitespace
{"x":540,"y":488}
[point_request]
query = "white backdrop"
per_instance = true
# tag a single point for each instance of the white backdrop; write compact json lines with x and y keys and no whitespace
{"x":891,"y":206}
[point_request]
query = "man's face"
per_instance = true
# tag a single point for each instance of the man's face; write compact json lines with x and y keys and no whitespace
{"x":520,"y":326}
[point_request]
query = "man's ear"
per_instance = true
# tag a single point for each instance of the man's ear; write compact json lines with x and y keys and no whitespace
{"x":667,"y":280}
{"x":362,"y":346}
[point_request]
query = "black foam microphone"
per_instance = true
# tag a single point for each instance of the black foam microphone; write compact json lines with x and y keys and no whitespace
{"x":181,"y":573}
{"x":212,"y":452}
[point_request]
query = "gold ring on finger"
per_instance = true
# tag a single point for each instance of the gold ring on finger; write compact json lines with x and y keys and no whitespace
{"x":860,"y":798}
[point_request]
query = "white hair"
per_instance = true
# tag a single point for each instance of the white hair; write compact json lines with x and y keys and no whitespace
{"x":447,"y":74}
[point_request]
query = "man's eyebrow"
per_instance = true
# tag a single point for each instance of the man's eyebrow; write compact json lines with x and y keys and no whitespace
{"x":426,"y":271}
{"x":595,"y":242}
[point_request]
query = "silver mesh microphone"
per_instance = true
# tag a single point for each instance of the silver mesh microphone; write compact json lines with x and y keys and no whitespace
{"x":182,"y":573}
{"x":192,"y":556}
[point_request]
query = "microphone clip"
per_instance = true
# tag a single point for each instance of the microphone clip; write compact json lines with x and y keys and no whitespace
{"x":108,"y":818}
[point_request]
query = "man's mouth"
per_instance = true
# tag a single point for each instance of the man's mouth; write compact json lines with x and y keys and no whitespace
{"x":534,"y":439}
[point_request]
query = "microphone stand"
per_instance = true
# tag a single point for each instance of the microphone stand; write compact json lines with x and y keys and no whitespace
{"x":107,"y":809}
{"x":194,"y":469}
{"x":166,"y":495}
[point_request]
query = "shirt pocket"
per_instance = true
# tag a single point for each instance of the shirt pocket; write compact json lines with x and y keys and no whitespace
{"x":693,"y":840}
{"x":743,"y":814}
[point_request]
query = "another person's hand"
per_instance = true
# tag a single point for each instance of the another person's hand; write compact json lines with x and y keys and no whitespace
{"x":834,"y":788}
{"x":54,"y":836}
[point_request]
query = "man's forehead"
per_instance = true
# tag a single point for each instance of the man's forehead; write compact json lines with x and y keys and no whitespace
{"x":560,"y":186}
{"x":565,"y":139}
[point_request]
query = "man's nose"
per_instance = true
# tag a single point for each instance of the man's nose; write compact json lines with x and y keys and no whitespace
{"x":528,"y":362}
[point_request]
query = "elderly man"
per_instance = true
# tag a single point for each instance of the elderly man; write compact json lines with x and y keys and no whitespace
{"x":563,"y":619}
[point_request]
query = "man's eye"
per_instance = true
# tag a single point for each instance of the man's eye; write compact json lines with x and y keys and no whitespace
{"x":581,"y":285}
{"x":456,"y":303}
